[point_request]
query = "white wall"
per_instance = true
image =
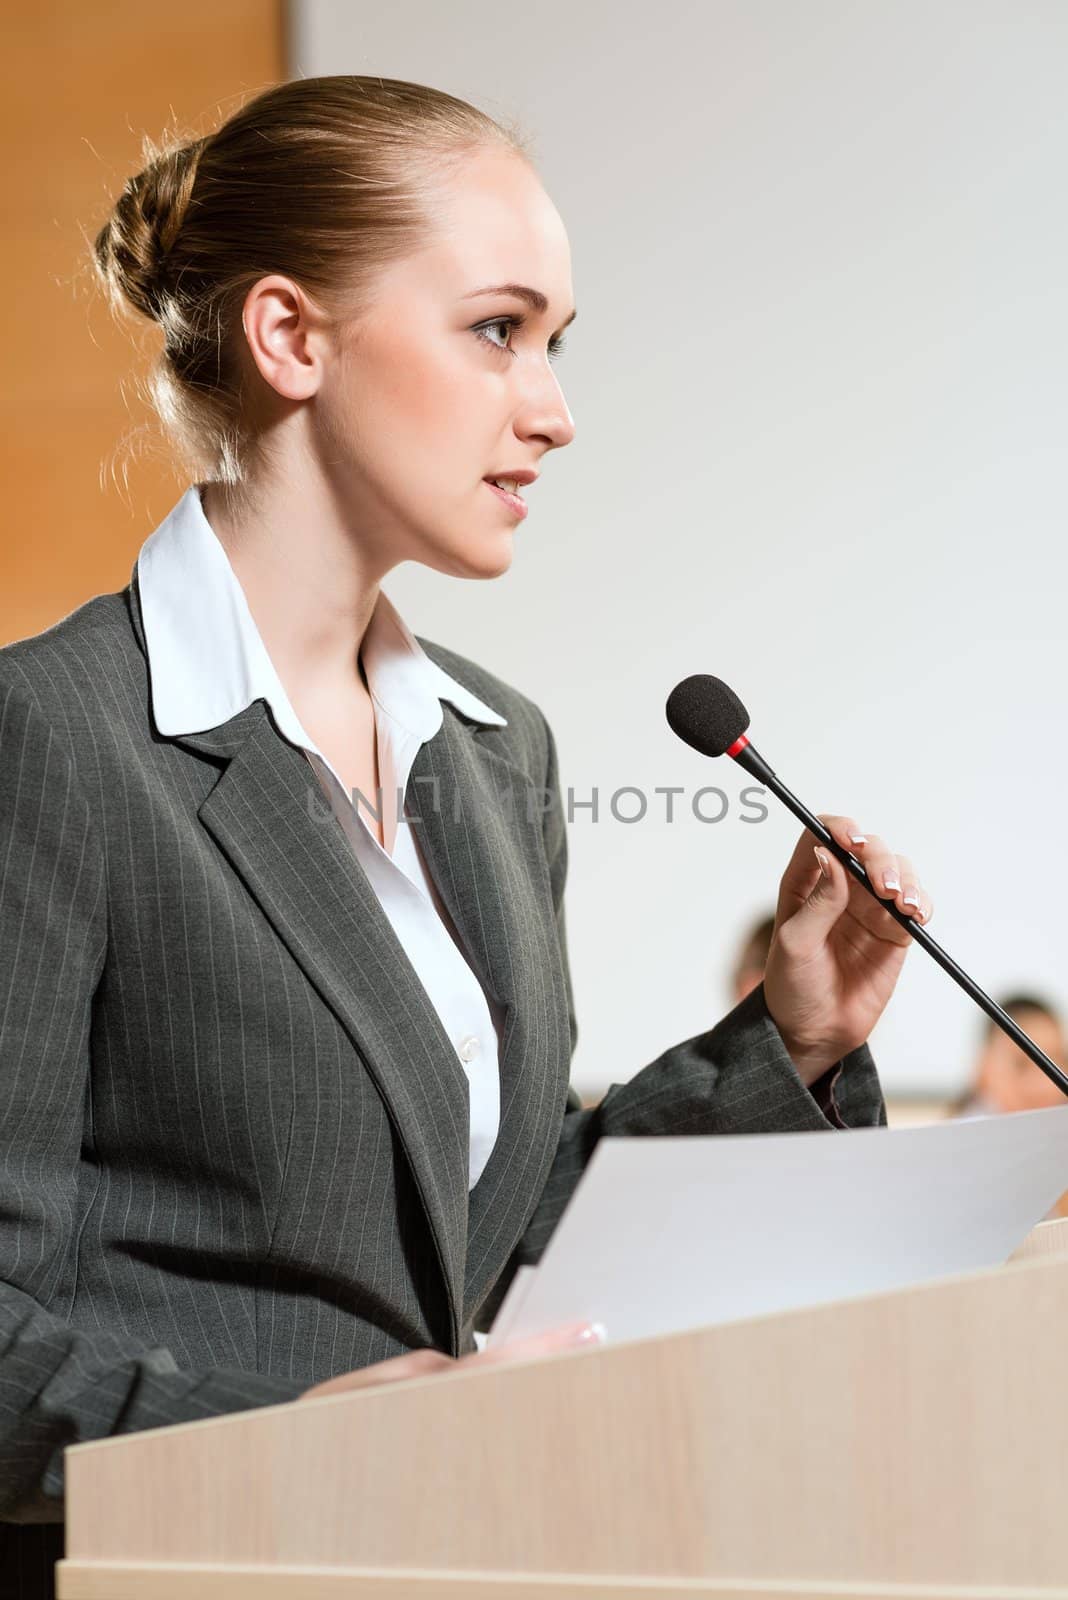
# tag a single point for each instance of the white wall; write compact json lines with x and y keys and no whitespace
{"x":820,"y":384}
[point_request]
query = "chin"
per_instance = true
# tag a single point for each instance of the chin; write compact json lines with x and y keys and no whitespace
{"x":485,"y":569}
{"x":487,"y":557}
{"x":498,"y":556}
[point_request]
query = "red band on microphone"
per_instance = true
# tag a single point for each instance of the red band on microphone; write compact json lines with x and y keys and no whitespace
{"x":739,"y":745}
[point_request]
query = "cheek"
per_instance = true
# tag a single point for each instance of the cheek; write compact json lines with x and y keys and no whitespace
{"x":420,"y":380}
{"x":422,"y":420}
{"x":1044,"y":1092}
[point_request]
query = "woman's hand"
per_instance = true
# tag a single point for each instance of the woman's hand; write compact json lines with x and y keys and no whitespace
{"x":421,"y":1363}
{"x":836,"y":953}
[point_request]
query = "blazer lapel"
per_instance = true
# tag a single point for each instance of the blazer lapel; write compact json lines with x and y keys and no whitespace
{"x":273,"y":821}
{"x":480,"y":825}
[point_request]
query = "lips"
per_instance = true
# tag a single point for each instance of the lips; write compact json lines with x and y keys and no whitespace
{"x":517,"y":506}
{"x":520,"y":475}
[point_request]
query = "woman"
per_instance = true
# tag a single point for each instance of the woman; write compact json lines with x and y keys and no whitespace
{"x":283,"y":1082}
{"x":1003,"y":1078}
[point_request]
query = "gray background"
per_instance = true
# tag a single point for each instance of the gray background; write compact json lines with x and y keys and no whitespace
{"x":820,"y":385}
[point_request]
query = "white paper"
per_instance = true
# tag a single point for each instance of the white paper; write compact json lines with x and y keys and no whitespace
{"x":664,"y":1234}
{"x":509,"y":1308}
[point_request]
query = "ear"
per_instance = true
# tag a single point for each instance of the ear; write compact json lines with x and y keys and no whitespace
{"x":286,"y":336}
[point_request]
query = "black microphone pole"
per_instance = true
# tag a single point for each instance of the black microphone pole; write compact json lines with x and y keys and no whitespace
{"x":753,"y":762}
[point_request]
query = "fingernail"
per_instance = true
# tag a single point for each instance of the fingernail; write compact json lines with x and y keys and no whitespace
{"x":890,"y":882}
{"x":824,"y":861}
{"x":575,"y":1333}
{"x":911,"y":900}
{"x":858,"y":838}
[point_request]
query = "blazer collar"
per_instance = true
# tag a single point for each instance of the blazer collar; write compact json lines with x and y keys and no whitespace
{"x":479,"y":813}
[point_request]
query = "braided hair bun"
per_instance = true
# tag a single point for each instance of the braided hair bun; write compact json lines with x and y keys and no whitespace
{"x":132,"y":247}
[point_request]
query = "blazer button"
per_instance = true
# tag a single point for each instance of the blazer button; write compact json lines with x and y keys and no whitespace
{"x":469,"y":1047}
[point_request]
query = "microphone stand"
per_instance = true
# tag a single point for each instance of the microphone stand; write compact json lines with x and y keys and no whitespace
{"x":754,"y":763}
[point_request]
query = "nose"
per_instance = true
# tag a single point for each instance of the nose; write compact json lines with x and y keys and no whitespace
{"x":543,"y":416}
{"x":549,"y":428}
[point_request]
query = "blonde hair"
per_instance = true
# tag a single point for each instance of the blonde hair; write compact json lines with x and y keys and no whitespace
{"x":326,"y":180}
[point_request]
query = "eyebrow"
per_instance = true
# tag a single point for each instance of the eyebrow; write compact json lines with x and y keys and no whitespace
{"x":522,"y":291}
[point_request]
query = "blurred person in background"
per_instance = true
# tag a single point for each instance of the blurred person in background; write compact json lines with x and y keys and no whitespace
{"x":751,"y":959}
{"x":1003,"y":1077}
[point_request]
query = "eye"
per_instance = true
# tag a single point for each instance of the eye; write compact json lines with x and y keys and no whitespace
{"x":555,"y":347}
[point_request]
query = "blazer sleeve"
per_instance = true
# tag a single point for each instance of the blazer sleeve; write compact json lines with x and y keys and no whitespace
{"x":61,"y":1384}
{"x":737,"y":1077}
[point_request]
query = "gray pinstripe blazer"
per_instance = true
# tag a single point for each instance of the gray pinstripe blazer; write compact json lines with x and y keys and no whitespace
{"x":233,"y":1132}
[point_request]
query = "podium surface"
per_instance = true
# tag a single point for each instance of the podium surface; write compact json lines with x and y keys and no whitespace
{"x":906,"y":1444}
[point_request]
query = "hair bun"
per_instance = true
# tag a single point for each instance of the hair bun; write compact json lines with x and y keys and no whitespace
{"x":132,"y":247}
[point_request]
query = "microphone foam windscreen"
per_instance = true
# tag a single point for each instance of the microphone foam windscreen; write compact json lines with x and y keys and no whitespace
{"x":706,"y":714}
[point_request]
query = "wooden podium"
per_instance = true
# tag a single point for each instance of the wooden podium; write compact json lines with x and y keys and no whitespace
{"x":911,"y":1444}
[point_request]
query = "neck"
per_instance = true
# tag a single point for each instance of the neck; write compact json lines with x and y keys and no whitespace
{"x":310,"y":582}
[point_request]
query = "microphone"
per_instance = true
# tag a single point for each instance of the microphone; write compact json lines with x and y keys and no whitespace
{"x":708,"y":715}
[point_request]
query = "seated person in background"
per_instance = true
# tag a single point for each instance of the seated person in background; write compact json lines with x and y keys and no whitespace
{"x":748,"y":969}
{"x":1004,"y":1079}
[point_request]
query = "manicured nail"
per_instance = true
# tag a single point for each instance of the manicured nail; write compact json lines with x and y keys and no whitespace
{"x":890,"y":882}
{"x":911,"y":900}
{"x":593,"y":1333}
{"x":824,"y":861}
{"x":858,"y":838}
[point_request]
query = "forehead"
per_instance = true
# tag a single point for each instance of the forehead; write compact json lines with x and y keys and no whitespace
{"x":1042,"y":1028}
{"x":1035,"y":1022}
{"x":494,"y":223}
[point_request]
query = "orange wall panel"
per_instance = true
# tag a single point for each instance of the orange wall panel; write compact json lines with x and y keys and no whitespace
{"x":81,"y":85}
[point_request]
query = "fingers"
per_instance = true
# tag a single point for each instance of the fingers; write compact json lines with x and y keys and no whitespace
{"x":893,"y":875}
{"x":801,"y":877}
{"x":423,"y":1363}
{"x":572,"y":1336}
{"x":812,"y":896}
{"x":413,"y":1364}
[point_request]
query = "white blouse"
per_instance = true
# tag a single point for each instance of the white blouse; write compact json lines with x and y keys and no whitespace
{"x":208,"y":661}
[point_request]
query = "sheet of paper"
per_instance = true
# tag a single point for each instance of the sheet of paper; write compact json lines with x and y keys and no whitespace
{"x":666,"y":1234}
{"x":510,"y":1306}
